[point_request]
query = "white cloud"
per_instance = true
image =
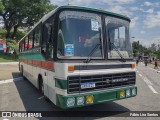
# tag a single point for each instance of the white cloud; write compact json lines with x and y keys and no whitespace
{"x":73,"y":2}
{"x":133,"y":22}
{"x":144,"y":42}
{"x":150,"y":11}
{"x":148,"y":3}
{"x":151,"y":4}
{"x":81,"y":3}
{"x":142,"y":32}
{"x":147,"y":11}
{"x":149,"y":41}
{"x":59,"y":2}
{"x":88,"y":2}
{"x":115,"y":2}
{"x":152,"y":20}
{"x":134,"y":8}
{"x":120,"y":10}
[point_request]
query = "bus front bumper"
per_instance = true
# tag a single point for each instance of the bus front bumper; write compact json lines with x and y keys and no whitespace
{"x":95,"y":97}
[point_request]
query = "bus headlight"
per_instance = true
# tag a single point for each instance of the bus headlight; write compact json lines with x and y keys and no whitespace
{"x":80,"y":100}
{"x":89,"y":99}
{"x":70,"y":102}
{"x":133,"y":92}
{"x":128,"y":93}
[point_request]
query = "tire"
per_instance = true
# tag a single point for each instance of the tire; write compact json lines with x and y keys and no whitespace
{"x":41,"y":89}
{"x":41,"y":86}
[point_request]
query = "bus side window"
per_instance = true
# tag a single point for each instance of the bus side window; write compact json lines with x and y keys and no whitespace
{"x":23,"y":43}
{"x":47,"y":43}
{"x":21,"y":46}
{"x":26,"y":43}
{"x":37,"y":36}
{"x":30,"y":43}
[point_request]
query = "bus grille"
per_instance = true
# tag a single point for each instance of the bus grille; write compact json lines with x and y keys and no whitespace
{"x":102,"y":82}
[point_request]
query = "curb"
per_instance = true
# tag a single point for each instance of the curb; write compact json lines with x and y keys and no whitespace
{"x":6,"y":63}
{"x":10,"y":80}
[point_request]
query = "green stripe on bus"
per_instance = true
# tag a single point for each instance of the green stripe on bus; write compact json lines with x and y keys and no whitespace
{"x":31,"y":56}
{"x":62,"y":84}
{"x":99,"y":97}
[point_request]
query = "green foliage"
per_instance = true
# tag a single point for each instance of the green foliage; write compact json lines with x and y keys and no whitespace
{"x":8,"y":57}
{"x":157,"y":53}
{"x":147,"y":52}
{"x":3,"y":33}
{"x":135,"y":52}
{"x":17,"y":37}
{"x":1,"y":6}
{"x":19,"y":13}
{"x":139,"y":49}
{"x":13,"y":45}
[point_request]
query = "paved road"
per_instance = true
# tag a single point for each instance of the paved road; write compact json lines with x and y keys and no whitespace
{"x":22,"y":96}
{"x":9,"y":71}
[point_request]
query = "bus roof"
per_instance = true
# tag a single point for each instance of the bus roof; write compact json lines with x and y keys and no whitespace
{"x":86,"y":9}
{"x":45,"y":17}
{"x":95,"y":10}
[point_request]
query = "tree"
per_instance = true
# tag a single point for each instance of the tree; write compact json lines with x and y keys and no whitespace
{"x":135,"y":46}
{"x":1,"y":6}
{"x":139,"y":49}
{"x":19,"y":34}
{"x":26,"y":13}
{"x":157,"y":53}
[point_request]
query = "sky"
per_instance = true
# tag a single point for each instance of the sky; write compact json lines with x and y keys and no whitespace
{"x":144,"y":15}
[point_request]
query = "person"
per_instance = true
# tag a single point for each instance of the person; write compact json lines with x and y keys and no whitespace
{"x":137,"y":61}
{"x":87,"y":43}
{"x":92,"y":41}
{"x":156,"y":64}
{"x":145,"y":62}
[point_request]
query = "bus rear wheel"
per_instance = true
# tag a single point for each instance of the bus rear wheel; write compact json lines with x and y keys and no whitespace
{"x":22,"y":72}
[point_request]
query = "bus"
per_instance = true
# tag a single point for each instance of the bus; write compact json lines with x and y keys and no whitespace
{"x":79,"y":56}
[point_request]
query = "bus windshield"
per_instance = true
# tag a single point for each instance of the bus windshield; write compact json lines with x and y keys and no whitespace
{"x":118,"y":38}
{"x":78,"y":34}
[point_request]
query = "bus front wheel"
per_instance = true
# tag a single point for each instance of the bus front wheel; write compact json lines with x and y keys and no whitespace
{"x":41,"y":88}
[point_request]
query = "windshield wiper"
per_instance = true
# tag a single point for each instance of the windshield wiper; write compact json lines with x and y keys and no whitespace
{"x":122,"y":58}
{"x":91,"y":53}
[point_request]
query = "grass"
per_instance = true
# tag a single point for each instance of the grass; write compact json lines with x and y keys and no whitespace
{"x":8,"y":58}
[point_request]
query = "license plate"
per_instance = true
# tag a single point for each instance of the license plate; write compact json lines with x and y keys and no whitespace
{"x":87,"y":85}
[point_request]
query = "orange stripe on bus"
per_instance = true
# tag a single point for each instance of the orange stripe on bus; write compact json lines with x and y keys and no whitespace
{"x":43,"y":64}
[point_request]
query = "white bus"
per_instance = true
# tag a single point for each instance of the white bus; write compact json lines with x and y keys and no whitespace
{"x":79,"y":56}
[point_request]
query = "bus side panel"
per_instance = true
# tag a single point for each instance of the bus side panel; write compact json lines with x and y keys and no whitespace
{"x":35,"y":73}
{"x":44,"y":74}
{"x":25,"y":66}
{"x":32,"y":75}
{"x":51,"y":86}
{"x":30,"y":68}
{"x":49,"y":83}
